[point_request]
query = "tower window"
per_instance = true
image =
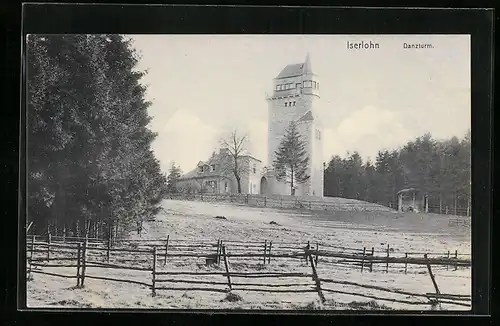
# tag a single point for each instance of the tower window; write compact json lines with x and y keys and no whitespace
{"x":293,"y":103}
{"x":318,"y":134}
{"x":317,"y":86}
{"x":314,"y":84}
{"x":286,"y":103}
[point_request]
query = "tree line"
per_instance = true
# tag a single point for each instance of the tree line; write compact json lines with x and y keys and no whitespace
{"x":439,"y":168}
{"x":90,"y":164}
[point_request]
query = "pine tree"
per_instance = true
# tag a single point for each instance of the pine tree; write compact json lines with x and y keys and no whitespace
{"x":174,"y":174}
{"x":89,"y":147}
{"x":291,"y":162}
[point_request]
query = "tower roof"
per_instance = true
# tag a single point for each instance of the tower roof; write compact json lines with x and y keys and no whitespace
{"x":307,"y":117}
{"x":296,"y":69}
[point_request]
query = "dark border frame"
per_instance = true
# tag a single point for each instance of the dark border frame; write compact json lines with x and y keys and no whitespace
{"x":161,"y":19}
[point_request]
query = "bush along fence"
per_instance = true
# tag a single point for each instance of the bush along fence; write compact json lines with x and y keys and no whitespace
{"x":225,"y":265}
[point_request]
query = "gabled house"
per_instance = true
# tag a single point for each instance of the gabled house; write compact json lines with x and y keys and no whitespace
{"x":215,"y":175}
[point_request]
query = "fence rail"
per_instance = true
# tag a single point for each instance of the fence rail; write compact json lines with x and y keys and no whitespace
{"x":155,"y":254}
{"x":290,"y":202}
{"x":306,"y":202}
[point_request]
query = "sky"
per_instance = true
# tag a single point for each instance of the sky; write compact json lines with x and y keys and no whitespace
{"x":203,"y":86}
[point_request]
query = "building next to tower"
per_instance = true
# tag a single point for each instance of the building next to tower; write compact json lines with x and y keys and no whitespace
{"x":295,"y":97}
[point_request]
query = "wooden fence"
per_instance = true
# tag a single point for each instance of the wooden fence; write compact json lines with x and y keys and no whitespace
{"x":285,"y":202}
{"x":228,"y":263}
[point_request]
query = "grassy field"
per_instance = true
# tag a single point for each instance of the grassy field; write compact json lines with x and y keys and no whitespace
{"x":192,"y":220}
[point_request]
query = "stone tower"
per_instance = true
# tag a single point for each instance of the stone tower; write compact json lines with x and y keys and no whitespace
{"x":294,"y":98}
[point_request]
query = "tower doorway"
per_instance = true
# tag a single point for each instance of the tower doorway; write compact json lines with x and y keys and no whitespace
{"x":263,"y":186}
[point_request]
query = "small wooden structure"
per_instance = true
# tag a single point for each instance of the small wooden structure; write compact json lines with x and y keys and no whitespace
{"x":412,"y":200}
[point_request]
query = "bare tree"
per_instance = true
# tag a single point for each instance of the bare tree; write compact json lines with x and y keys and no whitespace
{"x":231,"y":161}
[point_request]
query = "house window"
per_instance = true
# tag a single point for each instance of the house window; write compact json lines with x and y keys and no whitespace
{"x":254,"y":169}
{"x":201,"y":169}
{"x":293,"y":103}
{"x":212,"y":168}
{"x":225,"y":186}
{"x":286,"y":103}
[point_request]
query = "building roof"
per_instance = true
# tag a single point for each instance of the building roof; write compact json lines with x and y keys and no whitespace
{"x":292,"y":70}
{"x":212,"y":160}
{"x":408,"y":190}
{"x":250,"y":156}
{"x":307,"y":117}
{"x":296,"y":69}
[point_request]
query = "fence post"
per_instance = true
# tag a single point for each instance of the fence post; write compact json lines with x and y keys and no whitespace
{"x":64,"y":233}
{"x":153,"y":287}
{"x":265,"y":250}
{"x":456,"y":258}
{"x":31,"y":256}
{"x":49,"y":240}
{"x":77,"y":228}
{"x":310,"y":207}
{"x":247,"y":199}
{"x":448,"y":265}
{"x":265,"y":201}
{"x":371,"y":260}
{"x":433,"y":279}
{"x":108,"y":254}
{"x":363,"y":259}
{"x":218,"y":251}
{"x":78,"y":263}
{"x":387,"y":262}
{"x":406,"y":262}
{"x":316,"y":258}
{"x":227,"y":267}
{"x":166,"y":250}
{"x":84,"y":262}
{"x":316,"y":280}
{"x":269,"y":253}
{"x":307,"y":253}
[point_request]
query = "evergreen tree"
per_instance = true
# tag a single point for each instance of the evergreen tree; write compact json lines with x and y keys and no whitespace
{"x":291,"y":162}
{"x":89,"y":156}
{"x":333,"y":177}
{"x":440,"y":169}
{"x":174,"y":174}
